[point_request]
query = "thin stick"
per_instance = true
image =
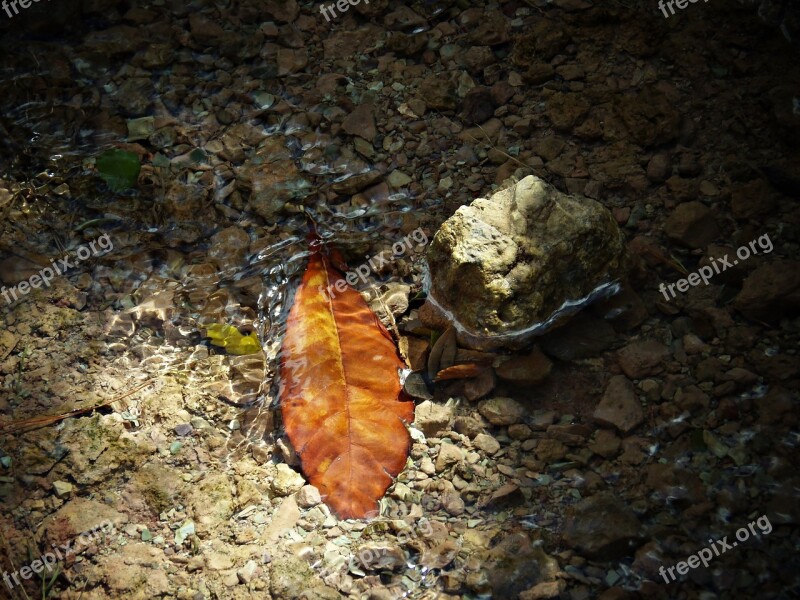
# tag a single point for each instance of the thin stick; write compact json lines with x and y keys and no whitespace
{"x":41,"y":421}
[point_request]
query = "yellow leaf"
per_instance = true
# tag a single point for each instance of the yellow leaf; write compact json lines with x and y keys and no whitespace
{"x":230,"y":338}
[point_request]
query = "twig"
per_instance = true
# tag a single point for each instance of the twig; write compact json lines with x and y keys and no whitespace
{"x":41,"y":421}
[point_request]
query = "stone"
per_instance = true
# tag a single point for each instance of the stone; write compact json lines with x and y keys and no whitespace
{"x":452,"y":503}
{"x":449,"y":454}
{"x":549,"y":451}
{"x":361,"y":122}
{"x":752,"y":200}
{"x":478,"y":105}
{"x":692,"y":224}
{"x":247,"y":572}
{"x":286,"y":480}
{"x":62,"y":489}
{"x":642,"y":358}
{"x":291,"y":60}
{"x":467,"y":426}
{"x":546,"y":589}
{"x":619,"y":406}
{"x":432,"y":419}
{"x":505,"y":266}
{"x":486,"y":443}
{"x":204,"y":30}
{"x":603,"y":526}
{"x":770,"y":292}
{"x":501,"y":411}
{"x":605,"y":443}
{"x":659,"y":168}
{"x":438,"y":93}
{"x":229,"y":247}
{"x":526,"y":370}
{"x":308,"y":496}
{"x":582,"y":337}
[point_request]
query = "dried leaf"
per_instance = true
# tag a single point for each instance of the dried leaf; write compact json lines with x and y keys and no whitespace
{"x":467,"y":371}
{"x":340,"y":392}
{"x":443,"y":353}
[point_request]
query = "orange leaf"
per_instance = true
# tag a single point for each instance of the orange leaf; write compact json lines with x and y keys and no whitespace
{"x":340,"y":392}
{"x":465,"y":371}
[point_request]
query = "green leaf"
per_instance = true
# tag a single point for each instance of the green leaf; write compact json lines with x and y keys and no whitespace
{"x":230,"y":338}
{"x":118,"y":168}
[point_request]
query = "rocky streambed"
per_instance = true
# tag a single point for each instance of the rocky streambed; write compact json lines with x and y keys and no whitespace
{"x":564,"y":161}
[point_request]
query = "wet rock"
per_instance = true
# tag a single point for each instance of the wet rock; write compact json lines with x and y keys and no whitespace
{"x":467,"y":426}
{"x":204,"y":30}
{"x":642,"y":358}
{"x":283,"y":11}
{"x":404,"y":18}
{"x":505,"y":264}
{"x":7,"y":343}
{"x":603,"y":526}
{"x":247,"y":572}
{"x":486,"y":443}
{"x":449,"y":454}
{"x":620,"y":407}
{"x":76,"y":517}
{"x":291,"y":60}
{"x":431,"y":419}
{"x":308,"y":496}
{"x":771,"y":291}
{"x":692,"y":224}
{"x":605,"y":443}
{"x":452,"y":503}
{"x":582,"y":337}
{"x":361,"y":122}
{"x":491,"y":29}
{"x":501,"y":411}
{"x":438,"y":93}
{"x":659,"y":168}
{"x":511,"y":566}
{"x":292,"y":578}
{"x":286,"y":480}
{"x":229,"y":247}
{"x":526,"y":370}
{"x":62,"y":489}
{"x":134,"y":571}
{"x":752,"y":200}
{"x":211,"y":502}
{"x":546,"y":589}
{"x":478,"y":105}
{"x":549,"y":451}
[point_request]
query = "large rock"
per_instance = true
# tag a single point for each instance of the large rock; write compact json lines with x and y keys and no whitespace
{"x":507,"y":267}
{"x":602,"y":525}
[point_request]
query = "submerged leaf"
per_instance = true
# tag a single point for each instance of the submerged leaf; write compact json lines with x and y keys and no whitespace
{"x":230,"y":338}
{"x":341,"y":399}
{"x":118,"y":168}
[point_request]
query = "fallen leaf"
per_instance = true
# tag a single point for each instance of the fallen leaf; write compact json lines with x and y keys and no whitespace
{"x":230,"y":338}
{"x":467,"y":371}
{"x":443,"y":352}
{"x":340,"y":392}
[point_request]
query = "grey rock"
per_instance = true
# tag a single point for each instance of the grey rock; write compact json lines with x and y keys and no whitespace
{"x":504,"y":267}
